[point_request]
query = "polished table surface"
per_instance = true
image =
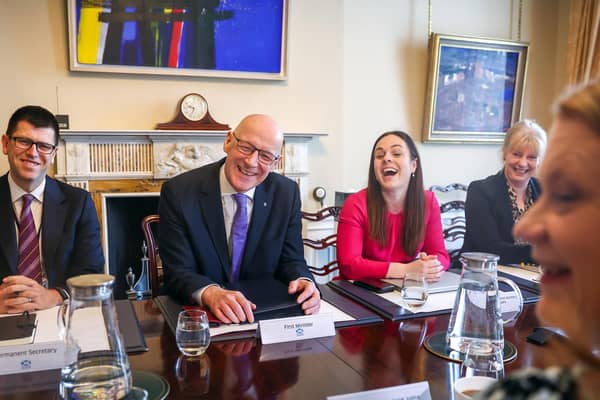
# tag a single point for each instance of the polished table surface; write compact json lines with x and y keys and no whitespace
{"x":356,"y":359}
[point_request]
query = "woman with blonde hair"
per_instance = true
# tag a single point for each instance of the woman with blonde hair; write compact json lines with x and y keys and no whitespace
{"x":496,"y":203}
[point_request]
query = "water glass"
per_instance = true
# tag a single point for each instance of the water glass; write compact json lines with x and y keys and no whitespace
{"x":490,"y":364}
{"x":193,"y":332}
{"x":414,"y":289}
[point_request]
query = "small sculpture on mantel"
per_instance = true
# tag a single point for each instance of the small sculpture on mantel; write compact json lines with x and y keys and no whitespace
{"x":140,"y":289}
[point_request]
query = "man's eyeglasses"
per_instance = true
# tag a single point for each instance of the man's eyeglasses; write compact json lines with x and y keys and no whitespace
{"x":25,"y":144}
{"x":264,"y":157}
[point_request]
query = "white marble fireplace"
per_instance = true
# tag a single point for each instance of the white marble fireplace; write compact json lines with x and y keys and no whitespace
{"x":134,"y":163}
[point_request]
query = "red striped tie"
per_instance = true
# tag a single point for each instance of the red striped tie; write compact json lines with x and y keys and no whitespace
{"x":29,"y":249}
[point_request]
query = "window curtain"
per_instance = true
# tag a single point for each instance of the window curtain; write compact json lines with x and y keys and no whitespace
{"x":583,"y":42}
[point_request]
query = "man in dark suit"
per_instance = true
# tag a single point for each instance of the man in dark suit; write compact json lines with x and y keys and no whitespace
{"x":198,"y":213}
{"x":64,"y":234}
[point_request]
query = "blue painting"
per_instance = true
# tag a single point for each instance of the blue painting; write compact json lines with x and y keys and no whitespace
{"x":186,"y":36}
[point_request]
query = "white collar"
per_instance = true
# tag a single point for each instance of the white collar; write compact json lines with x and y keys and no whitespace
{"x":16,"y":192}
{"x":227,"y":189}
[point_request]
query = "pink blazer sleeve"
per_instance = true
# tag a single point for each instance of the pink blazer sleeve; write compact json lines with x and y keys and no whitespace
{"x":353,"y":229}
{"x":434,"y":236}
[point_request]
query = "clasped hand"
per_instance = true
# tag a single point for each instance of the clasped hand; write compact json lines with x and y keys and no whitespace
{"x":425,"y":264}
{"x":231,"y":306}
{"x":19,"y":293}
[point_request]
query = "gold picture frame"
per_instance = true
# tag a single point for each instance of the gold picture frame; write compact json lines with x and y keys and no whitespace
{"x":475,"y":88}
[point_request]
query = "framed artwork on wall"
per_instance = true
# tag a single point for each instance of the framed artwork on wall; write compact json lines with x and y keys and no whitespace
{"x":475,"y":88}
{"x":215,"y":38}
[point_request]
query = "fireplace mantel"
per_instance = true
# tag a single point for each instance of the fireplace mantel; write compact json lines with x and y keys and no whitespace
{"x":87,"y":155}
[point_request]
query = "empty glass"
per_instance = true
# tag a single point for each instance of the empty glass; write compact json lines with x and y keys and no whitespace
{"x":193,"y":332}
{"x":476,"y":363}
{"x":414,"y":289}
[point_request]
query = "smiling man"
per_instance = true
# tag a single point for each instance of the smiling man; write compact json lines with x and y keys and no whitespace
{"x":234,"y":220}
{"x":50,"y":230}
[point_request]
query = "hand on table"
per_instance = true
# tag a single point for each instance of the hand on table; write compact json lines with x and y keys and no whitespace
{"x":19,"y":293}
{"x":229,"y":306}
{"x":428,"y":265}
{"x":309,"y":295}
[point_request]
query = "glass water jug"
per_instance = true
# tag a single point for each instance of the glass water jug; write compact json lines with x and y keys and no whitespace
{"x":97,"y":365}
{"x":476,"y":322}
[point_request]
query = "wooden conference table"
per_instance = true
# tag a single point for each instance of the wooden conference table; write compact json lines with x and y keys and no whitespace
{"x":358,"y":358}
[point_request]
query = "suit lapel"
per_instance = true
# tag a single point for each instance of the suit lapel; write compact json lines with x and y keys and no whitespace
{"x":209,"y":202}
{"x":8,"y":233}
{"x":260,"y":211}
{"x":504,"y":198}
{"x":53,"y":220}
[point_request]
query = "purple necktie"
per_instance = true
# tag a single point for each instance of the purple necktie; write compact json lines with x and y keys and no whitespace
{"x":29,"y":250}
{"x":239,"y":229}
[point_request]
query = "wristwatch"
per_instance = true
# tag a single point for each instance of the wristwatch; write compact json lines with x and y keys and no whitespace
{"x":64,"y":293}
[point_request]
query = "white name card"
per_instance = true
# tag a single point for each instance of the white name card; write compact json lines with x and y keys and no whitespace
{"x":411,"y":391}
{"x":32,"y":357}
{"x":296,"y":328}
{"x":509,"y":302}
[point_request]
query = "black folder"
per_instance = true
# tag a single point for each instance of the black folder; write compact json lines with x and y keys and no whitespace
{"x":270,"y":296}
{"x":129,"y":327}
{"x":17,"y":329}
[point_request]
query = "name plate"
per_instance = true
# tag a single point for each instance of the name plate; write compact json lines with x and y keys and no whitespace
{"x":32,"y":357}
{"x":411,"y":391}
{"x":509,"y":302}
{"x":296,"y":328}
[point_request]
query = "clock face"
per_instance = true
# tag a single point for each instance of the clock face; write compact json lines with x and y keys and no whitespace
{"x":194,"y":107}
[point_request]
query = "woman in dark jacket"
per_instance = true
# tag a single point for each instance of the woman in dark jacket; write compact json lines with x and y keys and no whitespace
{"x":496,"y":203}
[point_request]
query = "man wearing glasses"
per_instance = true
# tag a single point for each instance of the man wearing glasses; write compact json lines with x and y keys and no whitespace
{"x":49,"y":230}
{"x":202,"y":242}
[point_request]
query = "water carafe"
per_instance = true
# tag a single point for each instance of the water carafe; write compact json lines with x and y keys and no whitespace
{"x":97,"y":365}
{"x":476,"y":322}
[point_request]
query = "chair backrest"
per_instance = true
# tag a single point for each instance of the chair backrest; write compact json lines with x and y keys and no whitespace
{"x":452,"y":207}
{"x":149,"y":227}
{"x":328,"y":243}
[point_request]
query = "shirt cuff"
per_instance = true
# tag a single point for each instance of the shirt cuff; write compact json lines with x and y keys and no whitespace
{"x":197,"y":295}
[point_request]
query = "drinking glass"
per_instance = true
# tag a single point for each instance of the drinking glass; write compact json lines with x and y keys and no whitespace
{"x":192,"y":333}
{"x":414,"y":289}
{"x":477,"y":363}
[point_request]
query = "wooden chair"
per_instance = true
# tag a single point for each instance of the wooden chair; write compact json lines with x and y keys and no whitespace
{"x":452,"y":207}
{"x":149,"y":227}
{"x":331,"y":268}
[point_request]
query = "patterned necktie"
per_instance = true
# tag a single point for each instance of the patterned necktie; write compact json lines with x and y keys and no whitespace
{"x":29,"y":250}
{"x":239,"y":229}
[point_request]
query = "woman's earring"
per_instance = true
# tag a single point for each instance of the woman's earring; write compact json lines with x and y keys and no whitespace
{"x":412,"y":175}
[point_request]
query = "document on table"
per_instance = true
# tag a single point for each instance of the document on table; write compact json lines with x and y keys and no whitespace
{"x":521,"y":273}
{"x":435,"y":301}
{"x":90,"y":331}
{"x":338,"y":315}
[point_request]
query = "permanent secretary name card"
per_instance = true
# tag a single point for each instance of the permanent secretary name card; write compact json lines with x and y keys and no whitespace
{"x":296,"y":328}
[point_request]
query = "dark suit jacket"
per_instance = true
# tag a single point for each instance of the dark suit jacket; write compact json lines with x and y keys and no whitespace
{"x":193,"y":242}
{"x":489,"y":220}
{"x":70,"y":233}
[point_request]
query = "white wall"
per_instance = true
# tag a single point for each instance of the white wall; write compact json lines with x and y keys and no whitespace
{"x":356,"y":68}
